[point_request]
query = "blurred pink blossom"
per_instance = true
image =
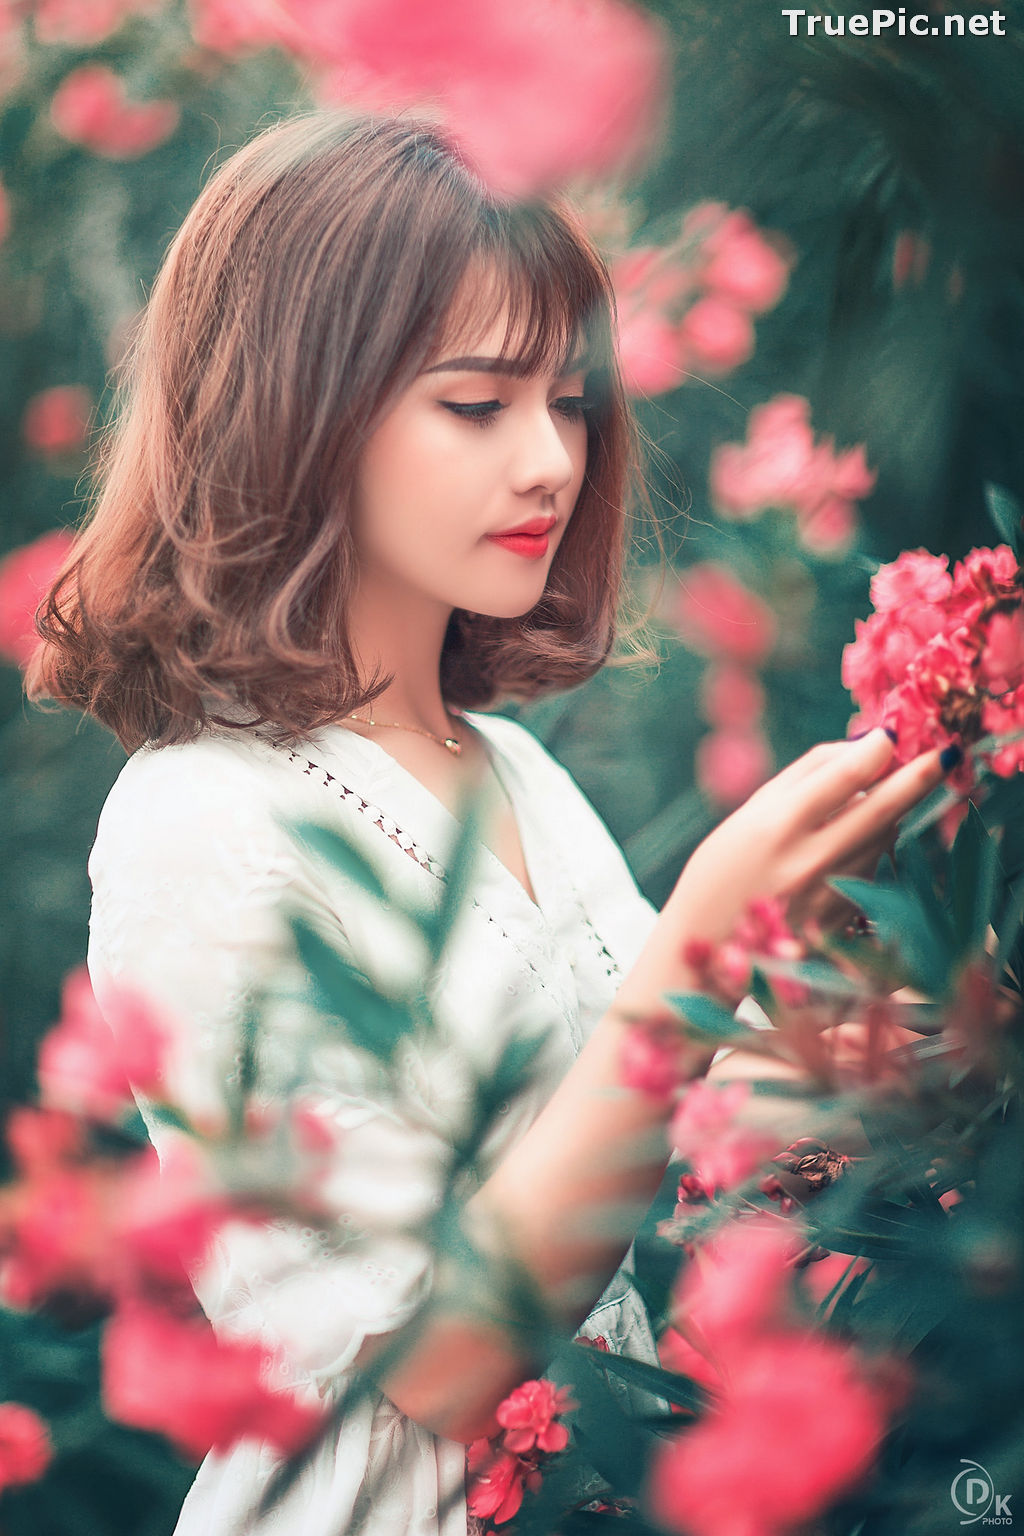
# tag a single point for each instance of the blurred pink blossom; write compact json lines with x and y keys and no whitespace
{"x":654,"y":1059}
{"x":737,"y":1287}
{"x":910,"y":258}
{"x":730,"y":764}
{"x":173,"y":1376}
{"x":25,"y":577}
{"x":90,"y":108}
{"x":732,"y":698}
{"x":56,"y":421}
{"x":87,"y":1064}
{"x":650,"y":353}
{"x":738,"y":263}
{"x":762,"y":933}
{"x":781,"y":465}
{"x":720,"y":617}
{"x":83,"y":23}
{"x":721,"y":1153}
{"x":797,"y":1426}
{"x":25,"y":1446}
{"x":717,"y":335}
{"x":533,"y":93}
{"x":237,"y":26}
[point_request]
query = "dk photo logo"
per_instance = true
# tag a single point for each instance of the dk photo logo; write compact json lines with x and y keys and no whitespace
{"x":974,"y":1495}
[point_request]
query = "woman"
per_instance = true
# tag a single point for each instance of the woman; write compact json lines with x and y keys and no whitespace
{"x":371,"y":476}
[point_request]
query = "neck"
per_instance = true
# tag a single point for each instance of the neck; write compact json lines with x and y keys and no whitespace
{"x":402,"y":634}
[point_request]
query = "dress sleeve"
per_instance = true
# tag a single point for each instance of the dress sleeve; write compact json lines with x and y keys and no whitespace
{"x":190,"y":871}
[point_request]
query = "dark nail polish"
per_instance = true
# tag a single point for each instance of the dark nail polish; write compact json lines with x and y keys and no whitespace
{"x":950,"y":756}
{"x":891,"y":734}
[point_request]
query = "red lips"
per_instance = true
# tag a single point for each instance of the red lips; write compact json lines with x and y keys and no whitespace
{"x":534,"y":528}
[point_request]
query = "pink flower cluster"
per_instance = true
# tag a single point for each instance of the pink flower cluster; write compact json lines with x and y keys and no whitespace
{"x":689,"y":307}
{"x":533,"y":93}
{"x":722,"y":1153}
{"x":782,"y":465}
{"x":90,"y":108}
{"x":941,"y":659}
{"x":797,"y":1417}
{"x":88,"y":1233}
{"x":84,"y":23}
{"x":499,"y":1469}
{"x":762,"y":934}
{"x":56,"y":421}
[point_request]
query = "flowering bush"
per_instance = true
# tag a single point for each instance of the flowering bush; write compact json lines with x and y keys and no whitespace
{"x":941,"y":660}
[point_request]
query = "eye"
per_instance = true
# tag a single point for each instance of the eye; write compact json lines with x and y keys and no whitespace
{"x":573,"y":407}
{"x":483,"y":412}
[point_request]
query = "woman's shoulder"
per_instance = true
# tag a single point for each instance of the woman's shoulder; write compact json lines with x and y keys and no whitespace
{"x":220,"y":787}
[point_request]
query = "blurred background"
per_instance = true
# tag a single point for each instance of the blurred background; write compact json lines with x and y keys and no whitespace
{"x":819,"y":261}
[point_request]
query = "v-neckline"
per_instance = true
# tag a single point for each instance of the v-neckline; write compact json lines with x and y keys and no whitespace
{"x":453,"y":824}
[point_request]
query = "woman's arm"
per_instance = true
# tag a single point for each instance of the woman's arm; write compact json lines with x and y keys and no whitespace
{"x":598,"y":1148}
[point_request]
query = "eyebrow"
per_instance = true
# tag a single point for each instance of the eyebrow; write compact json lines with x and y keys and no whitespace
{"x":503,"y":365}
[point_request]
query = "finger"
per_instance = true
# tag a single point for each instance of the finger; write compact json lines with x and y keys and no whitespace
{"x":852,"y":767}
{"x":812,"y":761}
{"x":875,"y":816}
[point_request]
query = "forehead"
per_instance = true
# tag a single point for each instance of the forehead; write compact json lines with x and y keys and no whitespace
{"x":514,"y":317}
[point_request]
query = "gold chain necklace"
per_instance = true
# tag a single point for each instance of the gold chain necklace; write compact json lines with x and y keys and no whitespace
{"x":452,"y":743}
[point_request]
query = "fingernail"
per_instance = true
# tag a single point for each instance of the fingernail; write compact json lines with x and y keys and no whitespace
{"x":890,"y":733}
{"x":950,"y":756}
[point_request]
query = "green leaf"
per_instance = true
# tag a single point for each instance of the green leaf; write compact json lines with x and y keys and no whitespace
{"x":651,"y":1378}
{"x":974,"y":864}
{"x":1005,"y":511}
{"x":1008,"y":927}
{"x":340,"y":854}
{"x":902,"y":923}
{"x":706,"y":1016}
{"x":827,"y":980}
{"x":373,"y":1022}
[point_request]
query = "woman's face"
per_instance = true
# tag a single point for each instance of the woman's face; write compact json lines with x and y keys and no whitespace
{"x":469,"y":452}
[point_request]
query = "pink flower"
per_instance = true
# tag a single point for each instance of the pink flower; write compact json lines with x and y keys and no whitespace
{"x":653,"y":1059}
{"x":1001,"y":663}
{"x":85,"y":1066}
{"x":238,"y":26}
{"x":25,"y":577}
{"x":650,"y":353}
{"x":528,"y":1417}
{"x":533,"y":94}
{"x":915,"y":577}
{"x":495,"y":1480}
{"x":717,"y":334}
{"x":676,"y":1353}
{"x":703,"y":1131}
{"x":741,"y":265}
{"x":173,"y":1376}
{"x":730,"y":765}
{"x":57,"y":420}
{"x":830,"y":530}
{"x":797,"y":1427}
{"x":782,"y":465}
{"x":83,"y":23}
{"x":737,"y":1287}
{"x":732,"y":698}
{"x":719,"y":616}
{"x":89,"y":108}
{"x":25,"y":1447}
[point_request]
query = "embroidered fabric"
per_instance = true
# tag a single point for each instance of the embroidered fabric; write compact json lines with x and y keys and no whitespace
{"x":191,"y":869}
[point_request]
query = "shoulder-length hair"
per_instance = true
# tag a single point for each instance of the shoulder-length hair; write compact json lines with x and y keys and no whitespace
{"x":312,"y":281}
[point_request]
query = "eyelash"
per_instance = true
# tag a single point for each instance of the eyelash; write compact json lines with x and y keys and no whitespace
{"x":483,"y":413}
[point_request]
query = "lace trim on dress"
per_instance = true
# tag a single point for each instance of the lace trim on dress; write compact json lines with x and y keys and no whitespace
{"x":392,"y":830}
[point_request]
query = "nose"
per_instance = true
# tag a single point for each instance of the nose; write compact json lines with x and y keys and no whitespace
{"x":547,"y":453}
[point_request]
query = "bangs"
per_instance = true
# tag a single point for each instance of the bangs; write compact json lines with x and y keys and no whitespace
{"x":530,"y":266}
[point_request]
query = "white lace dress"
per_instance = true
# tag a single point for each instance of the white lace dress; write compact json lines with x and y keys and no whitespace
{"x":190,"y":869}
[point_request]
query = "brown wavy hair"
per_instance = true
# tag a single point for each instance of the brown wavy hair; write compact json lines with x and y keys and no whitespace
{"x":312,"y":281}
